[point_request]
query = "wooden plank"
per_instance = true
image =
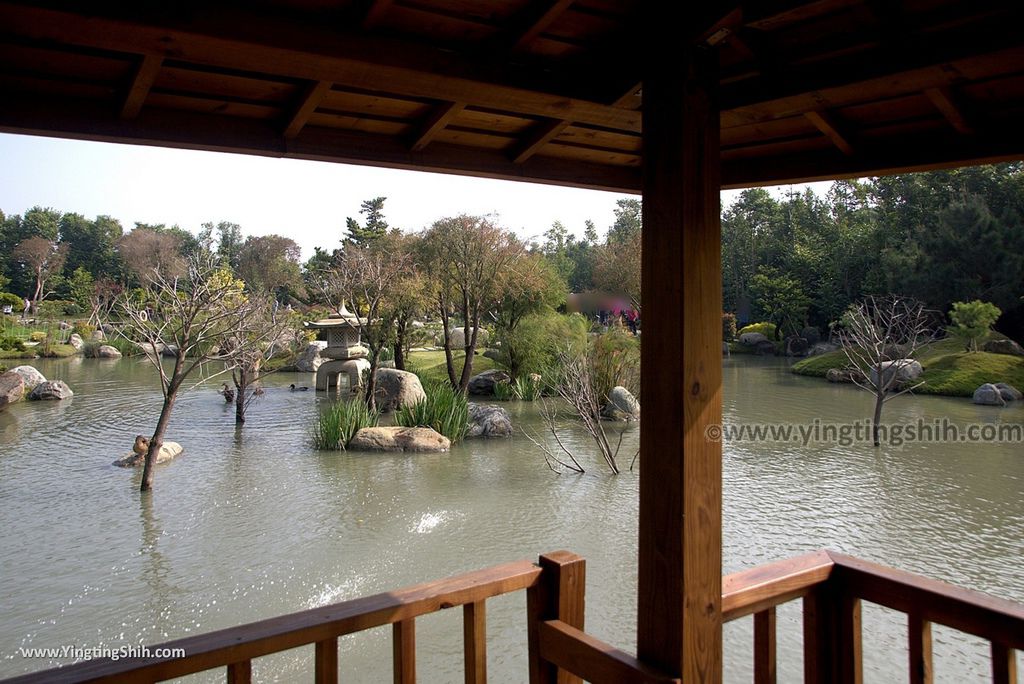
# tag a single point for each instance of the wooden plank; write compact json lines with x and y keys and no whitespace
{"x":538,"y":138}
{"x":307,"y":104}
{"x":679,"y":619}
{"x":575,"y":651}
{"x":142,"y":81}
{"x":404,"y":647}
{"x":474,"y":635}
{"x":820,"y":643}
{"x":326,"y":661}
{"x":764,"y":646}
{"x":827,"y":125}
{"x":242,"y":643}
{"x":559,"y":595}
{"x":240,"y":673}
{"x":435,"y":123}
{"x":532,"y":21}
{"x":754,"y":590}
{"x":919,"y":642}
{"x":1004,"y":664}
{"x":943,"y":100}
{"x":256,"y":44}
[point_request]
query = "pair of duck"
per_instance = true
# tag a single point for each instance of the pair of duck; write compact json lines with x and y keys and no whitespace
{"x":229,"y":393}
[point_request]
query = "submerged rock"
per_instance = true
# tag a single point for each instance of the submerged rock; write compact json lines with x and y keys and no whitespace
{"x":51,"y":389}
{"x":32,"y":377}
{"x":487,"y":420}
{"x":107,"y":352}
{"x":622,"y":405}
{"x":988,"y":395}
{"x":1009,"y":392}
{"x":12,"y":389}
{"x":399,"y":439}
{"x":168,"y":450}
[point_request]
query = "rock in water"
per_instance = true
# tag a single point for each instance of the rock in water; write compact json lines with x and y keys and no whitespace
{"x":12,"y":389}
{"x":483,"y":384}
{"x":76,"y":341}
{"x":107,"y":352}
{"x":988,"y":395}
{"x":51,"y":389}
{"x":399,"y":439}
{"x":1007,"y":392}
{"x":622,"y":405}
{"x":32,"y":377}
{"x":487,"y":420}
{"x":397,"y":388}
{"x":309,"y":361}
{"x":168,"y":450}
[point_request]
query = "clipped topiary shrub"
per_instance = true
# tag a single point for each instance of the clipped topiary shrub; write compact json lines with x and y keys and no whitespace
{"x":766,"y":329}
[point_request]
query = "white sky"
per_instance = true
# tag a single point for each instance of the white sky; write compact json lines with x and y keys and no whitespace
{"x":304,"y":200}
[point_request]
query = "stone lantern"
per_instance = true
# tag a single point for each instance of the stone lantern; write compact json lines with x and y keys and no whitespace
{"x":346,"y":357}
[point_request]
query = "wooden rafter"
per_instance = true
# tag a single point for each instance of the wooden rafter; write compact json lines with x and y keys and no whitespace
{"x":435,"y":122}
{"x":631,"y":99}
{"x":947,"y":105}
{"x":310,"y":100}
{"x":824,"y":122}
{"x":540,"y":136}
{"x":532,"y":21}
{"x":375,"y":12}
{"x":142,"y":81}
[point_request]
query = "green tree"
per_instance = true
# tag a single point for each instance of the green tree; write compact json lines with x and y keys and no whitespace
{"x":81,"y":287}
{"x":628,"y":221}
{"x":972,"y":321}
{"x":780,"y":300}
{"x":375,"y":227}
{"x":270,"y":263}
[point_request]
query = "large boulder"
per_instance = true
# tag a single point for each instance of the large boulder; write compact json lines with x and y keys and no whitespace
{"x":622,"y":405}
{"x":906,"y":370}
{"x":397,"y":388}
{"x":483,"y":384}
{"x":51,"y":389}
{"x":493,"y":354}
{"x":12,"y":389}
{"x":751,"y":339}
{"x":989,"y":395}
{"x":98,"y":336}
{"x":152,"y":349}
{"x":169,"y":350}
{"x":796,"y":346}
{"x":765,"y":347}
{"x":107,"y":352}
{"x":309,"y":361}
{"x":76,"y":341}
{"x":822,"y":348}
{"x":841,"y":375}
{"x":487,"y":420}
{"x":1009,"y":392}
{"x":30,"y":375}
{"x":458,"y":338}
{"x":398,"y":439}
{"x":1003,"y":347}
{"x":168,"y":450}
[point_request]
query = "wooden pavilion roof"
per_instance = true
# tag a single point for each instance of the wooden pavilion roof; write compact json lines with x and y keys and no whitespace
{"x":541,"y":90}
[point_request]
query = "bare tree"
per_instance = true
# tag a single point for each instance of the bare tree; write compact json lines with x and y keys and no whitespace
{"x":199,"y":317}
{"x":880,"y":336}
{"x":369,"y":279}
{"x":146,"y":250}
{"x":44,"y":258}
{"x":104,"y":297}
{"x":249,"y":348}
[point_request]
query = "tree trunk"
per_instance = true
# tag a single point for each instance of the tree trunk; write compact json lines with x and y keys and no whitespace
{"x":371,"y":381}
{"x":400,"y":344}
{"x":157,"y":440}
{"x":467,"y":363}
{"x":879,"y":400}
{"x":241,"y":384}
{"x":449,"y":362}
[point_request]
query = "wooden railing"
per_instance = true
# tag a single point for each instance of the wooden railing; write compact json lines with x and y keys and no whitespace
{"x":830,"y":585}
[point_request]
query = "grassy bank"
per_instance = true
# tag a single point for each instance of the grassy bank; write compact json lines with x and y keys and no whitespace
{"x":430,"y":365}
{"x":948,"y":369}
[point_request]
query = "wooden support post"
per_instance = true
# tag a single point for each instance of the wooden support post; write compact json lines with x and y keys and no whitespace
{"x":559,"y":595}
{"x":764,"y":646}
{"x":919,"y":640}
{"x":240,"y":673}
{"x":404,"y":647}
{"x":326,"y":658}
{"x":679,"y":622}
{"x":474,"y":632}
{"x":1004,"y":664}
{"x":832,"y":636}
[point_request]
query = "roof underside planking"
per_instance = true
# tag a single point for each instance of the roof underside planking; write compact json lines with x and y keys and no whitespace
{"x":540,"y":90}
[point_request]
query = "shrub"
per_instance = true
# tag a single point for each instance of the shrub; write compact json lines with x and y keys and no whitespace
{"x":534,"y":345}
{"x":37,"y":336}
{"x":614,"y":359}
{"x":11,"y":343}
{"x":83,"y":329}
{"x":335,"y":427}
{"x":16,"y":303}
{"x":526,"y":388}
{"x":972,"y":321}
{"x":766,"y":329}
{"x":504,"y":391}
{"x":54,"y":308}
{"x":445,"y":410}
{"x":728,"y":327}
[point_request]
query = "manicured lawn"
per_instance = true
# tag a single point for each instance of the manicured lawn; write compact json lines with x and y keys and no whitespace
{"x":948,"y":369}
{"x":430,"y":365}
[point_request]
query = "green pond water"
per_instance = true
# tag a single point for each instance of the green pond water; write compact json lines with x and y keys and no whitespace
{"x":251,"y":524}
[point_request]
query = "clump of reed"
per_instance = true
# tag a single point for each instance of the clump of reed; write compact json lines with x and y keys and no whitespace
{"x":444,"y":409}
{"x":336,"y":426}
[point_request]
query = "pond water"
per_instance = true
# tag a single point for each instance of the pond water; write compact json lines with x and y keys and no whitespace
{"x":252,"y":523}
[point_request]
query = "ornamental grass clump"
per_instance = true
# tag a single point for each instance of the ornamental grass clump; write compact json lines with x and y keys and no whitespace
{"x":444,"y":410}
{"x":336,"y":426}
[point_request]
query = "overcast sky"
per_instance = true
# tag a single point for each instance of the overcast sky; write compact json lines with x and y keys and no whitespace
{"x":304,"y":200}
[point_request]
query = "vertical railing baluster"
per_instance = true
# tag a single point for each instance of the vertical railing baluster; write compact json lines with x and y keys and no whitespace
{"x":919,"y":639}
{"x":474,"y":633}
{"x":558,"y":595}
{"x":240,"y":673}
{"x":764,"y":646}
{"x":832,"y":636}
{"x":326,"y":661}
{"x":1004,"y":664}
{"x":851,"y":660}
{"x":405,"y":651}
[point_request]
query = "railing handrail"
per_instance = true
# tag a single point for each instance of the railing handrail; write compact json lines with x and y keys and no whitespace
{"x":245,"y":642}
{"x":765,"y":586}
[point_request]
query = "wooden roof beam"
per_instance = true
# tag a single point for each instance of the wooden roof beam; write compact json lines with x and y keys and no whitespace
{"x":145,"y":75}
{"x":827,"y":125}
{"x":945,"y":102}
{"x":435,"y":123}
{"x":375,"y":12}
{"x":631,"y":99}
{"x":531,"y":22}
{"x":259,"y":44}
{"x":311,"y":99}
{"x":539,"y":136}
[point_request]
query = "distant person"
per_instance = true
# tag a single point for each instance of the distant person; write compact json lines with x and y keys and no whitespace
{"x":631,"y":317}
{"x":28,"y":305}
